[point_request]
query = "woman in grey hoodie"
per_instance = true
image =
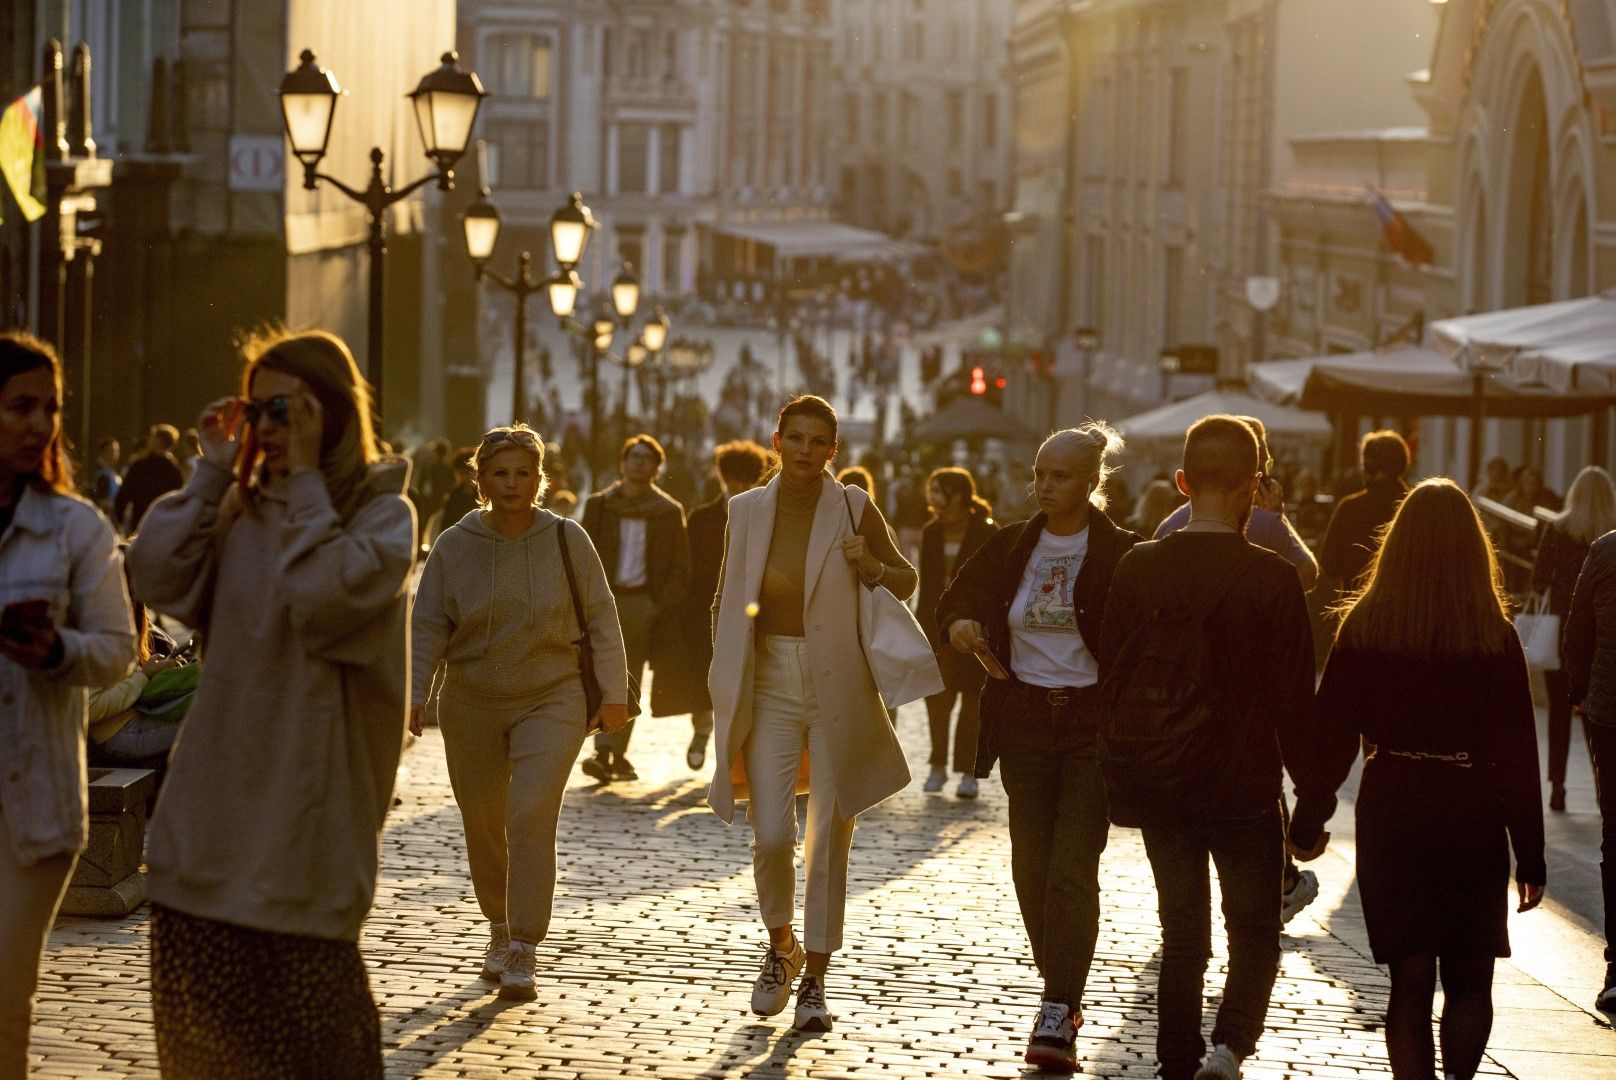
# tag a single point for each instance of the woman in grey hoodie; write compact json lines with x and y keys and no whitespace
{"x":494,"y":631}
{"x":264,"y":848}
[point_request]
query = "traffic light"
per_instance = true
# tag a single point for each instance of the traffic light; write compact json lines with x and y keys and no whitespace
{"x":979,"y":381}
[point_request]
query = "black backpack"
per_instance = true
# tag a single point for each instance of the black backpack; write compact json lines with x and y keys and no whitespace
{"x":1163,"y":735}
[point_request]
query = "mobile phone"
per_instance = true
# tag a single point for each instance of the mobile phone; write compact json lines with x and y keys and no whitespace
{"x":990,"y":663}
{"x":20,"y":617}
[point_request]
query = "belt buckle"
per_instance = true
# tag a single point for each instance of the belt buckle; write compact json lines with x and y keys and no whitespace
{"x":1059,"y":697}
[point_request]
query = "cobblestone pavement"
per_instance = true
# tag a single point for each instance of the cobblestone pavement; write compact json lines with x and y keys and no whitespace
{"x":655,"y":943}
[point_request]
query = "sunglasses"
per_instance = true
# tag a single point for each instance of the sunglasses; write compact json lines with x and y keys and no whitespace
{"x":277,"y":408}
{"x":525,"y":438}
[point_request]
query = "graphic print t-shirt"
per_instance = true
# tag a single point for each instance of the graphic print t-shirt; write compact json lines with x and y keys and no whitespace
{"x":1046,"y":647}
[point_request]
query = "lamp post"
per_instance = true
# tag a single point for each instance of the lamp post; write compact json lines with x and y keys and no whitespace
{"x":1087,"y":340}
{"x":625,"y":302}
{"x":654,"y":338}
{"x":446,"y":103}
{"x":481,"y":224}
{"x":1480,"y":367}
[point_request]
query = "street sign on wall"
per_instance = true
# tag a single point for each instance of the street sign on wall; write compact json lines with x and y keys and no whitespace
{"x":257,"y":162}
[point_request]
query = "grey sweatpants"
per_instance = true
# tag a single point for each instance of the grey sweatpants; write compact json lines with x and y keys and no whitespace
{"x":508,"y":765}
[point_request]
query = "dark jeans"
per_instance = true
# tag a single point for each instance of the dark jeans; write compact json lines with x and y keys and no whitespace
{"x":635,"y":615}
{"x":1058,"y":830}
{"x":939,"y":708}
{"x":1248,"y":854}
{"x":1602,"y":740}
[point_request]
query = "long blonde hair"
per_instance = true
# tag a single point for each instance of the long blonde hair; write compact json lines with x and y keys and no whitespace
{"x":1590,"y":506}
{"x":1095,"y":443}
{"x":1433,"y":587}
{"x":348,"y":445}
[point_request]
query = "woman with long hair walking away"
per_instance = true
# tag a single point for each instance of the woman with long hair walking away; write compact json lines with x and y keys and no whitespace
{"x":790,"y":681}
{"x":1428,"y":677}
{"x":290,"y":549}
{"x":1590,"y":512}
{"x":494,"y":618}
{"x":1029,"y":603}
{"x":65,"y":625}
{"x":961,"y":523}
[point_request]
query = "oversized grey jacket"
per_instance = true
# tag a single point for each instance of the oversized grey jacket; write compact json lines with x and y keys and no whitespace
{"x":58,"y":548}
{"x":272,"y":810}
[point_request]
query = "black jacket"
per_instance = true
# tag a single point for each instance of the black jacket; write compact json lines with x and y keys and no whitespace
{"x":1353,"y":535}
{"x":1559,"y":561}
{"x":985,"y":586}
{"x":960,"y":672}
{"x":1590,"y":634}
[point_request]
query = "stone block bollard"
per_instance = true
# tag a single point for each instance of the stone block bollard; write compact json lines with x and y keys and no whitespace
{"x":108,"y":881}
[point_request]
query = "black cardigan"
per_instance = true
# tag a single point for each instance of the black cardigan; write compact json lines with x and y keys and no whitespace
{"x":932,"y":573}
{"x":985,"y":586}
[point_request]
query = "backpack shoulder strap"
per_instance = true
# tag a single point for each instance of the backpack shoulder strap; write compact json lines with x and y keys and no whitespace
{"x":572,"y":580}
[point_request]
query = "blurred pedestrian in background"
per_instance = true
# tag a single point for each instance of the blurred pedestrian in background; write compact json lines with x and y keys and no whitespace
{"x":1590,"y":512}
{"x":1427,"y":676}
{"x":961,"y":523}
{"x":1029,"y":602}
{"x":791,"y":683}
{"x":1353,"y":535}
{"x":494,"y":630}
{"x":290,"y":550}
{"x":66,"y":625}
{"x":150,"y":476}
{"x":639,"y":531}
{"x":741,"y":466}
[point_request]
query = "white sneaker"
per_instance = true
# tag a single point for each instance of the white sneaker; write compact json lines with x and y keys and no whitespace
{"x":935,"y":781}
{"x":516,"y":980}
{"x":1052,"y":1047}
{"x":1221,"y":1064}
{"x":499,"y":942}
{"x":1303,"y":893}
{"x":967,"y":789}
{"x":773,"y":987}
{"x":812,"y":1012}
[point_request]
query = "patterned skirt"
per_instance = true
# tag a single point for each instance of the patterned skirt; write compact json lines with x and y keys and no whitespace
{"x":232,"y":1003}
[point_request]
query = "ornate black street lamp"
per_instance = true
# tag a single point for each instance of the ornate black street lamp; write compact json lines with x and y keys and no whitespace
{"x":446,"y":103}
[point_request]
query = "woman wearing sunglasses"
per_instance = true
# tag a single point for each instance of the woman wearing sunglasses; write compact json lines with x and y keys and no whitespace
{"x":495,"y":632}
{"x":290,"y":549}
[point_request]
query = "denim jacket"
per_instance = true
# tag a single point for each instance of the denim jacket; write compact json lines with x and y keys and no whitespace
{"x":59,"y":548}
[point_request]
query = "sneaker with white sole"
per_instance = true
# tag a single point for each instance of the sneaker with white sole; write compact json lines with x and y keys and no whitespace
{"x":1299,"y":895}
{"x":516,"y":980}
{"x":968,"y":788}
{"x":773,"y":987}
{"x":812,"y":1012}
{"x":935,"y":781}
{"x":1221,"y":1064}
{"x":499,"y":942}
{"x":1053,"y":1046}
{"x":696,"y":755}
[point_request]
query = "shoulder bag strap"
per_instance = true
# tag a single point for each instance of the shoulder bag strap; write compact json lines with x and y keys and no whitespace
{"x":572,"y":581}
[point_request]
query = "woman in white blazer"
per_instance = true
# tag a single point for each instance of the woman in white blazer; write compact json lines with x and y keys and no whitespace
{"x":790,"y":680}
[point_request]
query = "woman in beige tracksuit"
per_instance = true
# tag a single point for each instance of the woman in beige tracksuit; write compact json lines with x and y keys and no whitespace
{"x":494,"y":628}
{"x":290,"y":549}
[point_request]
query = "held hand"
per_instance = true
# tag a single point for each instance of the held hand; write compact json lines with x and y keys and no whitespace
{"x":857,"y":552}
{"x":32,"y":648}
{"x":1531,"y":896}
{"x":966,"y":636}
{"x":1271,"y":496}
{"x":1309,"y":854}
{"x":609,"y":718}
{"x":1581,"y":707}
{"x":158,"y":663}
{"x":218,"y":431}
{"x":304,"y":430}
{"x":417,"y":719}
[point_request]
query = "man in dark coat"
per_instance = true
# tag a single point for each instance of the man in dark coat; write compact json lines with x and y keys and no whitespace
{"x":639,"y":532}
{"x":682,"y":687}
{"x":153,"y":475}
{"x":1353,"y":535}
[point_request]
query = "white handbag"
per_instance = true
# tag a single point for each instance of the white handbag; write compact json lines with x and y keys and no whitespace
{"x":1540,"y":634}
{"x":900,"y":656}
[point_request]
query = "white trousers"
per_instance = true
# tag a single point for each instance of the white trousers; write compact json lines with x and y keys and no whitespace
{"x":785,"y":719}
{"x":29,"y":897}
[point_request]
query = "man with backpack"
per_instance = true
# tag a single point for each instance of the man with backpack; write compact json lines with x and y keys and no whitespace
{"x":1207,"y":658}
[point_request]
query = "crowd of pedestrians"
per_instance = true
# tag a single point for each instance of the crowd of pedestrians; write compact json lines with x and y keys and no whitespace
{"x":1163,"y":684}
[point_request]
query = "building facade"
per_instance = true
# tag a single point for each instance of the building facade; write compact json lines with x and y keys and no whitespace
{"x":923,"y":124}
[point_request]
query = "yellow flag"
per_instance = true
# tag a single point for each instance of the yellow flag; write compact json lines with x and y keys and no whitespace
{"x":22,"y":153}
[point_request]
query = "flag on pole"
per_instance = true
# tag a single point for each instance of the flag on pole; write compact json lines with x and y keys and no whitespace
{"x":22,"y":153}
{"x":1400,"y":235}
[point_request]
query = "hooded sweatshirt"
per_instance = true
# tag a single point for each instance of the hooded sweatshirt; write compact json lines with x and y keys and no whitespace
{"x":496,"y":614}
{"x":272,"y":808}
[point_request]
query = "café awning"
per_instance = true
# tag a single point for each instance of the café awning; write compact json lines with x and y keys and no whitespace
{"x":1568,"y":346}
{"x":1170,"y":422}
{"x":1409,"y":380}
{"x":821,"y":240}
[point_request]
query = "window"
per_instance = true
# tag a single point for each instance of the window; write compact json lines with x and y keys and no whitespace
{"x":519,"y":153}
{"x":851,"y":118}
{"x":634,"y":158}
{"x":990,"y":121}
{"x":631,"y":245}
{"x":908,"y":116}
{"x":956,"y":119}
{"x":956,"y":184}
{"x":1095,"y":281}
{"x":914,"y":40}
{"x":668,"y":159}
{"x":519,"y":66}
{"x":987,"y":196}
{"x":1172,"y":286}
{"x":1177,"y":125}
{"x":878,"y":118}
{"x":673,"y":261}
